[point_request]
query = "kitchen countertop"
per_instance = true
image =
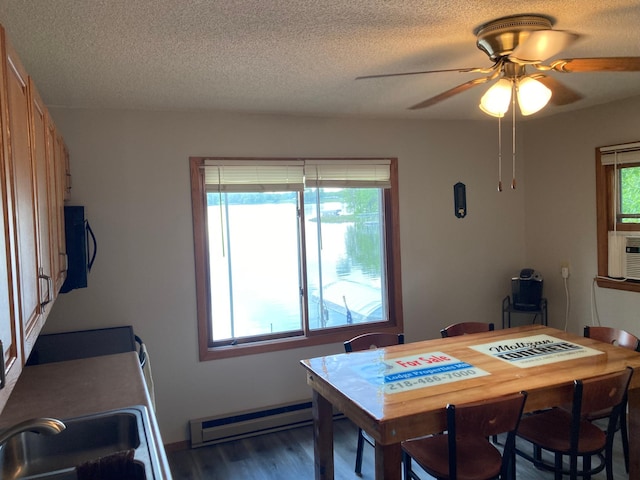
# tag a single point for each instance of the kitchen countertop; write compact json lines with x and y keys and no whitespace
{"x":81,"y":387}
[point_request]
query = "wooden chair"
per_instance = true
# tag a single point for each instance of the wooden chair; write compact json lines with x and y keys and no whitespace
{"x":463,"y":452}
{"x":464,"y":328}
{"x":569,"y":433}
{"x":614,"y":336}
{"x":622,"y":339}
{"x":367,"y":341}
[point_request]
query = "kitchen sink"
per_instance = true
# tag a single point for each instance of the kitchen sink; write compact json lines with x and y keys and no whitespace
{"x":55,"y":457}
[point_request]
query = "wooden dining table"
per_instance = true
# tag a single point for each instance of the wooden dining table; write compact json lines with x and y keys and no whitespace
{"x":400,"y":392}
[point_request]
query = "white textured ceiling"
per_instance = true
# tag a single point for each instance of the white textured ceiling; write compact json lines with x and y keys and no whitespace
{"x":294,"y":56}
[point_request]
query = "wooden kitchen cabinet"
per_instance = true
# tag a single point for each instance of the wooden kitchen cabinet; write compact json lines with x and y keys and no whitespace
{"x":33,"y":175}
{"x":10,"y":333}
{"x":9,"y":327}
{"x":22,"y":164}
{"x":64,"y":163}
{"x":51,"y":160}
{"x":57,"y":174}
{"x":45,"y":220}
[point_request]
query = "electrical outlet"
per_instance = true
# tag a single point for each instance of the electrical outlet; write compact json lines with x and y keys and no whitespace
{"x":564,"y":269}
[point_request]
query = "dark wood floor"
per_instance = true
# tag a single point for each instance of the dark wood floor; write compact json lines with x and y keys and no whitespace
{"x":289,"y":455}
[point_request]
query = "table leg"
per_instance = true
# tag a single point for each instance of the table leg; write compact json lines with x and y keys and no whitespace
{"x":634,"y":433}
{"x":388,"y":462}
{"x":322,"y":437}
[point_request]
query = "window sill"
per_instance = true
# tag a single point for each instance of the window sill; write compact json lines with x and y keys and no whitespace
{"x":216,"y":353}
{"x":628,"y":285}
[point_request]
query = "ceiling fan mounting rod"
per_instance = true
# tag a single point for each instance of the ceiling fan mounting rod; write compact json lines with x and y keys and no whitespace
{"x":513,"y":71}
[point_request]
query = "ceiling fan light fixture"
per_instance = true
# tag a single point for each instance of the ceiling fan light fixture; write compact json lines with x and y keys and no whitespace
{"x":532,"y":95}
{"x":495,"y":101}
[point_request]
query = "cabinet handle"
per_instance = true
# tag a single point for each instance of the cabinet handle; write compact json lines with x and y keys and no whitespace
{"x":51,"y":288}
{"x":2,"y":372}
{"x":49,"y":284}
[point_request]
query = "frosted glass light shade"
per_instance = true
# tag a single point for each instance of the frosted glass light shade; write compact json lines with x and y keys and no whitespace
{"x":495,"y":101}
{"x":532,"y":95}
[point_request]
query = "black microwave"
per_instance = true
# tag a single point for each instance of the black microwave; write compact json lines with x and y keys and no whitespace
{"x":81,"y":248}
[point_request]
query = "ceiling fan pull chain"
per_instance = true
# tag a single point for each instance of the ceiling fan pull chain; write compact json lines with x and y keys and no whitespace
{"x":499,"y":154}
{"x":513,"y":141}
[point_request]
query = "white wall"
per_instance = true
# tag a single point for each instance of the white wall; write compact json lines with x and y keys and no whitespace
{"x":560,"y":211}
{"x":130,"y":170}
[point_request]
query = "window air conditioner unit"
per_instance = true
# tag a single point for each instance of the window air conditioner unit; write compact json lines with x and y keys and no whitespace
{"x":617,"y":247}
{"x":624,"y":255}
{"x":632,"y":258}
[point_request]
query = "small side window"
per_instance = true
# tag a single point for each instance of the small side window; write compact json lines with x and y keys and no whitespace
{"x":618,"y":216}
{"x":629,"y":185}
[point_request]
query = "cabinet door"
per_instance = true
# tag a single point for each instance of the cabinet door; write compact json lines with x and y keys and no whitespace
{"x":62,"y":162}
{"x":56,"y":176}
{"x":67,"y":170}
{"x":9,"y":328}
{"x":9,"y":320}
{"x":22,"y":166}
{"x":45,"y":220}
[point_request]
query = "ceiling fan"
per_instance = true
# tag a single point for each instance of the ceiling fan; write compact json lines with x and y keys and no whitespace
{"x":516,"y":43}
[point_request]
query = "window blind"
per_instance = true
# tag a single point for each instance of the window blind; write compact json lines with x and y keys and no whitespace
{"x":627,"y":153}
{"x":253,"y":176}
{"x":348,"y":173}
{"x":230,"y":175}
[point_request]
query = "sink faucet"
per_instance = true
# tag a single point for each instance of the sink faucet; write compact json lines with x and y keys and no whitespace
{"x":46,"y":426}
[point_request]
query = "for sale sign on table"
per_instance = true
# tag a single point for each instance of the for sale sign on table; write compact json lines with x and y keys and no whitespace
{"x":418,"y":371}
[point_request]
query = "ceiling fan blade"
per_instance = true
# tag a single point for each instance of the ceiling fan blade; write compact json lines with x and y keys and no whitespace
{"x":561,"y":94}
{"x":602,"y":64}
{"x":450,"y":93}
{"x":542,"y":44}
{"x":461,"y":70}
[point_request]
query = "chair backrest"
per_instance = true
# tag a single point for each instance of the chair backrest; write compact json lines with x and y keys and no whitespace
{"x":614,"y":336}
{"x":600,"y":393}
{"x":464,"y":328}
{"x":367,"y":341}
{"x":605,"y":392}
{"x":484,"y":419}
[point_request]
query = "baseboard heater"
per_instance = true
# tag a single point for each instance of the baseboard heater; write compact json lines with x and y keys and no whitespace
{"x":212,"y":430}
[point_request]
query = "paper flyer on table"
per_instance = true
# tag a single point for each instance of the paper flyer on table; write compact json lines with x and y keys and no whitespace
{"x":535,"y":350}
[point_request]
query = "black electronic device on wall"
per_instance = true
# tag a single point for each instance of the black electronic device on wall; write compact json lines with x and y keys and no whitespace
{"x":80,"y":253}
{"x":460,"y":200}
{"x":527,"y":290}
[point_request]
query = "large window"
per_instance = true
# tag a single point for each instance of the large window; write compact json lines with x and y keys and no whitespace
{"x":294,"y":252}
{"x":618,"y":209}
